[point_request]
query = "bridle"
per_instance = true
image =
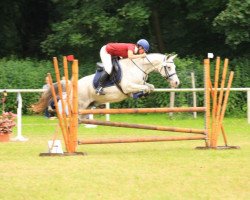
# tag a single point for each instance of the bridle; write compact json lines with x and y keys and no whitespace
{"x":163,"y":67}
{"x":166,"y":71}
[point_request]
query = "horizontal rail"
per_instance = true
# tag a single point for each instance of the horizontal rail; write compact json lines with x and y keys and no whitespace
{"x":143,"y":126}
{"x":22,"y":90}
{"x":142,"y":110}
{"x":140,"y":139}
{"x":197,"y":89}
{"x":155,"y":90}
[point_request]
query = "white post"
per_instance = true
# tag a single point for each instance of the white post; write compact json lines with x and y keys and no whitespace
{"x":248,"y":106}
{"x":19,"y":136}
{"x":91,"y":117}
{"x":194,"y":94}
{"x":171,"y":105}
{"x":107,"y":115}
{"x":210,"y":55}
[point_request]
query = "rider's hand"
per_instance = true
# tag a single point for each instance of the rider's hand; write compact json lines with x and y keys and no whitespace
{"x":143,"y":55}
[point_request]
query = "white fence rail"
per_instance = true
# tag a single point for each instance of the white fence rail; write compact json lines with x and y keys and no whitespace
{"x":19,"y":136}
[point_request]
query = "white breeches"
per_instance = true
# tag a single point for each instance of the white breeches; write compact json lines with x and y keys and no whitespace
{"x":106,"y":60}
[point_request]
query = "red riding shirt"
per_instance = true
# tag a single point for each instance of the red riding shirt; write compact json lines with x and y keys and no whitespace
{"x":119,"y":49}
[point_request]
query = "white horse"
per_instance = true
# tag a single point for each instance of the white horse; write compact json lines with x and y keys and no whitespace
{"x":134,"y":75}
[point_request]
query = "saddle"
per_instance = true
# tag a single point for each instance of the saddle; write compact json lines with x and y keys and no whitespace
{"x":115,"y":76}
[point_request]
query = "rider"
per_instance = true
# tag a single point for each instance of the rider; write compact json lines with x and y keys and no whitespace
{"x":124,"y":50}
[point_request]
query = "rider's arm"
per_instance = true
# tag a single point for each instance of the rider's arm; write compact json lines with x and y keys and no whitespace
{"x":131,"y":55}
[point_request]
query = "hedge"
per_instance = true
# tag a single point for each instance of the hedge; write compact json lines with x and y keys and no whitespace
{"x":30,"y":73}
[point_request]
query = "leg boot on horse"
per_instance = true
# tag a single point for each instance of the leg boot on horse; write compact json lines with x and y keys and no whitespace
{"x":103,"y":77}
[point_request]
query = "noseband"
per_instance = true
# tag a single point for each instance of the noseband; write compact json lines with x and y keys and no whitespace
{"x":166,"y":71}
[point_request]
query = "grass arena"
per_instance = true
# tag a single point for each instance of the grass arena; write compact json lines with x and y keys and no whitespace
{"x":128,"y":171}
{"x":147,"y":170}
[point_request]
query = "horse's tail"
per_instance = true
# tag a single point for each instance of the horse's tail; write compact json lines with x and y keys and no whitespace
{"x":44,"y":100}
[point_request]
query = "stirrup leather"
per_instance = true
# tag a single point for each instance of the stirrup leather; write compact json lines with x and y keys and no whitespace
{"x":99,"y":91}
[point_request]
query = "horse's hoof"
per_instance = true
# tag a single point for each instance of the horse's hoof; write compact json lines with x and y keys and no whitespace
{"x":100,"y":93}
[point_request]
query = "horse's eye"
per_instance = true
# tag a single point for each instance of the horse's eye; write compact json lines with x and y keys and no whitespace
{"x":169,"y":68}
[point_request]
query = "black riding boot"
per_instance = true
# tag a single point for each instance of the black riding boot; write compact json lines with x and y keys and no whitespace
{"x":99,"y":89}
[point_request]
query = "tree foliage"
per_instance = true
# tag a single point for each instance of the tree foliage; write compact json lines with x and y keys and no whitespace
{"x":90,"y":24}
{"x":234,"y":21}
{"x":42,"y":28}
{"x":24,"y":24}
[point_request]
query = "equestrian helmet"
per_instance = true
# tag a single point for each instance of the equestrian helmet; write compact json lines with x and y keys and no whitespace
{"x":144,"y":44}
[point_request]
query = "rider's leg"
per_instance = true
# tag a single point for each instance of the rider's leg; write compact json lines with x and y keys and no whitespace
{"x":106,"y":60}
{"x":99,"y":89}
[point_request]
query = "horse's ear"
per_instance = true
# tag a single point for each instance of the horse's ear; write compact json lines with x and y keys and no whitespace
{"x":168,"y":56}
{"x":172,"y":57}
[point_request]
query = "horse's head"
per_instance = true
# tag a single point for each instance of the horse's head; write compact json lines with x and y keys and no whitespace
{"x":167,"y":70}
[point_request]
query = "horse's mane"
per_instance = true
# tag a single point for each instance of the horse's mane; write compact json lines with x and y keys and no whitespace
{"x":127,"y":61}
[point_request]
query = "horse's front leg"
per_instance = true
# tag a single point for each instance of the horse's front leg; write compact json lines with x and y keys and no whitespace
{"x":133,"y":87}
{"x":151,"y":86}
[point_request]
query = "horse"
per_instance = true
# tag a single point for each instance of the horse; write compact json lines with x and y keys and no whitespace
{"x":134,"y":74}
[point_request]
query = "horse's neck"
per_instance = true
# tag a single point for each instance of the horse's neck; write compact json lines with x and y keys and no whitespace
{"x":152,"y":62}
{"x":146,"y":65}
{"x":129,"y":65}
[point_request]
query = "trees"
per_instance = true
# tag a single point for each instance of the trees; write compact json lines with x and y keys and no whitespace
{"x":234,"y":22}
{"x":82,"y":27}
{"x":23,"y":25}
{"x":40,"y":28}
{"x":9,"y":36}
{"x":186,"y":26}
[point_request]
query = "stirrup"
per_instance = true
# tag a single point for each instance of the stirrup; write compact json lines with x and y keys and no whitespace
{"x":99,"y":91}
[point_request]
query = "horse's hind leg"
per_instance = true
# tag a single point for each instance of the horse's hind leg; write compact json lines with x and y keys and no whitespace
{"x":81,"y":106}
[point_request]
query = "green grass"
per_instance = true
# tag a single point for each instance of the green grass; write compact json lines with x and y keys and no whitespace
{"x":154,"y":171}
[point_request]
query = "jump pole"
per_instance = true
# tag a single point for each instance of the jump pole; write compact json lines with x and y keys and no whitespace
{"x":142,"y":110}
{"x":206,"y":133}
{"x":140,"y":139}
{"x":74,"y":122}
{"x":214,"y":96}
{"x":214,"y":93}
{"x":207,"y":100}
{"x":63,"y":114}
{"x":218,"y":108}
{"x":143,"y":126}
{"x":68,"y":124}
{"x":59,"y":116}
{"x":221,"y":117}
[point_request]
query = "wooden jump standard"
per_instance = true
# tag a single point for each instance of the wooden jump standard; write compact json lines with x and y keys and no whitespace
{"x":209,"y":134}
{"x":68,"y":123}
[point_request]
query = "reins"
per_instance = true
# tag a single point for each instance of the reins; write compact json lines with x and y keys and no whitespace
{"x":165,"y":69}
{"x":138,"y":67}
{"x":146,"y":77}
